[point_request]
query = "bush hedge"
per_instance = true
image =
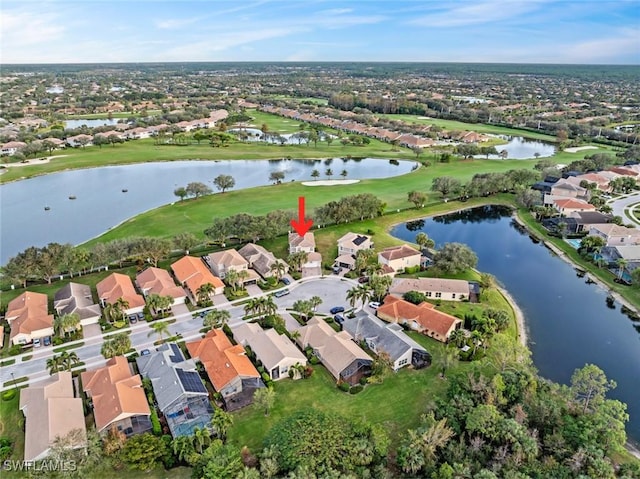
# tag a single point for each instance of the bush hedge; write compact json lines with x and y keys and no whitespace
{"x":8,"y":395}
{"x":343,"y":387}
{"x":356,"y":389}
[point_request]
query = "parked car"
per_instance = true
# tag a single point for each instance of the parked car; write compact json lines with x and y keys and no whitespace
{"x":140,"y":315}
{"x":338,"y":318}
{"x":36,"y":343}
{"x":283,"y":292}
{"x":374,"y":305}
{"x":336,"y":269}
{"x":145,"y":352}
{"x":363,"y":279}
{"x":133,"y":318}
{"x":47,"y":341}
{"x":336,"y":310}
{"x":286,"y":281}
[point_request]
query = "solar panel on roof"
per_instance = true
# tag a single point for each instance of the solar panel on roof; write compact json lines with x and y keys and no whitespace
{"x":176,"y":357}
{"x":191,"y":381}
{"x":359,"y":240}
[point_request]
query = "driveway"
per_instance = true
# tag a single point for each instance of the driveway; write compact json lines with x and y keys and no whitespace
{"x":253,"y":289}
{"x":91,"y":330}
{"x":219,"y":300}
{"x":313,"y":271}
{"x":180,"y":310}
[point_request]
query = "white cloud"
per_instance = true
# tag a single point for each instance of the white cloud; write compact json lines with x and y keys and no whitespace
{"x":476,"y":13}
{"x":176,"y":23}
{"x":625,"y":43}
{"x":336,"y":11}
{"x":24,"y":27}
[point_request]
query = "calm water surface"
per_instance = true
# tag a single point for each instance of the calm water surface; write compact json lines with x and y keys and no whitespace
{"x":568,"y":320}
{"x":100,"y":203}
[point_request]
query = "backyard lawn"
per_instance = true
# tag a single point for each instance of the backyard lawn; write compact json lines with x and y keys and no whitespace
{"x":11,"y":420}
{"x":396,"y":404}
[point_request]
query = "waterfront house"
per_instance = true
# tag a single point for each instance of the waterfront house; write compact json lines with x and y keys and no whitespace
{"x":422,"y":317}
{"x":222,"y":262}
{"x":275,"y":351}
{"x":11,"y":148}
{"x":118,"y":398}
{"x":615,"y":235}
{"x":261,"y":260}
{"x":343,"y":358}
{"x":179,"y":391}
{"x":29,"y":318}
{"x":51,"y":411}
{"x":399,"y":258}
{"x":306,"y":243}
{"x":433,"y":288}
{"x":566,"y":206}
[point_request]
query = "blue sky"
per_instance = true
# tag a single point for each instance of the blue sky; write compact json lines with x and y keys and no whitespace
{"x":544,"y":31}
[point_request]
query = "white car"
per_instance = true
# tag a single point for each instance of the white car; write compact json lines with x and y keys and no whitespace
{"x":374,"y":305}
{"x":36,"y":343}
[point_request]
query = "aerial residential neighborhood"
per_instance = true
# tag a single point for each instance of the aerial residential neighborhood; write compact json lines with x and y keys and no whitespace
{"x":320,"y":240}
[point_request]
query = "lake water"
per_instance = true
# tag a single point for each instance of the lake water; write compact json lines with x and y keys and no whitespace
{"x":72,"y":124}
{"x":100,"y":203}
{"x":254,"y":134}
{"x":568,"y":320}
{"x":523,"y":149}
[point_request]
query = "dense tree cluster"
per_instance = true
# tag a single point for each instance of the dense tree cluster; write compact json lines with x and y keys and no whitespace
{"x":349,"y":208}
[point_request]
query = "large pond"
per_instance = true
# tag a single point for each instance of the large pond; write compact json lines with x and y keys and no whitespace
{"x":519,"y":148}
{"x":72,"y":124}
{"x":100,"y":203}
{"x":568,"y":320}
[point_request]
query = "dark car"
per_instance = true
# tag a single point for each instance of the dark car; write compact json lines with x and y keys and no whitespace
{"x":140,"y":315}
{"x":133,"y":318}
{"x":47,"y":341}
{"x":145,"y":352}
{"x":336,"y":310}
{"x":363,"y":279}
{"x":286,"y":281}
{"x":338,"y":318}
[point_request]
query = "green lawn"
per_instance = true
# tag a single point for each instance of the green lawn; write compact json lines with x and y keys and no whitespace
{"x":396,"y":404}
{"x":11,"y":420}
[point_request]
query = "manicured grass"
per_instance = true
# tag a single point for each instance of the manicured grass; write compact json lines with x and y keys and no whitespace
{"x":11,"y":420}
{"x":69,"y":347}
{"x":477,"y":127}
{"x":276,"y":124}
{"x":396,"y":404}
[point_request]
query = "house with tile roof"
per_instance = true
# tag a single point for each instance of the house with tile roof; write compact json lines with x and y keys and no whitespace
{"x":344,"y":359}
{"x":118,"y":398}
{"x":11,"y":148}
{"x":159,"y":281}
{"x":228,"y":367}
{"x":306,"y":243}
{"x":116,"y":286}
{"x":192,"y":273}
{"x":77,"y":298}
{"x":275,"y":351}
{"x":566,"y":189}
{"x":180,"y":393}
{"x":566,"y":206}
{"x":387,"y":338}
{"x":615,"y":235}
{"x":51,"y":411}
{"x":221,"y":262}
{"x":435,"y":288}
{"x":29,"y":318}
{"x":351,"y":243}
{"x":422,"y":317}
{"x":399,"y":258}
{"x":260,"y":259}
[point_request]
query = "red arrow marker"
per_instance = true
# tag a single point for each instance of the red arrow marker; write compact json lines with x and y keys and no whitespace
{"x":301,"y":226}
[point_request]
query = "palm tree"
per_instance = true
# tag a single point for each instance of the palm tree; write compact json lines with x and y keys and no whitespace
{"x":424,"y":241}
{"x":622,"y":264}
{"x":344,"y":174}
{"x":201,"y":438}
{"x":269,"y":306}
{"x":203,"y":294}
{"x":182,"y":447}
{"x":264,"y":398}
{"x":153,"y":302}
{"x":216,"y":318}
{"x":54,"y":365}
{"x":457,"y":337}
{"x":279,"y":268}
{"x":359,"y":293}
{"x":232,"y":278}
{"x":242,"y":276}
{"x":122,"y":305}
{"x":160,"y":328}
{"x":66,"y":323}
{"x":296,"y":260}
{"x":477,"y":339}
{"x":253,"y":306}
{"x":329,"y":173}
{"x":447,"y":359}
{"x":315,"y":174}
{"x":315,"y":302}
{"x":221,"y":422}
{"x":113,"y":312}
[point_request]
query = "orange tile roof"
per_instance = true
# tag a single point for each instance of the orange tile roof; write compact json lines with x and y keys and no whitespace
{"x":574,"y":204}
{"x":424,"y":314}
{"x":116,"y":286}
{"x":115,"y":391}
{"x":222,"y":360}
{"x":28,"y":312}
{"x":159,"y":281}
{"x":193,"y":272}
{"x":396,"y":252}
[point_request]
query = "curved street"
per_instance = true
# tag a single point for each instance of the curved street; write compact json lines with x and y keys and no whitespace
{"x":332,"y":290}
{"x":619,"y":204}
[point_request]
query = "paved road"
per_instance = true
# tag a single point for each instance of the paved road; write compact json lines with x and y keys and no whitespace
{"x":332,"y":290}
{"x":621,"y":203}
